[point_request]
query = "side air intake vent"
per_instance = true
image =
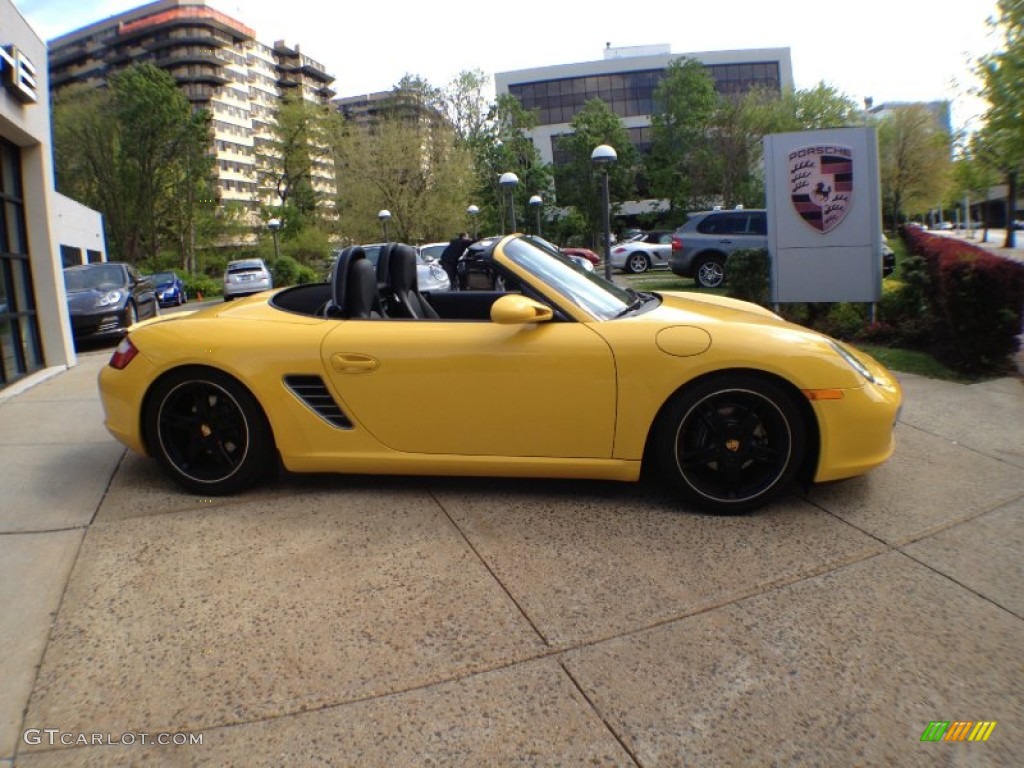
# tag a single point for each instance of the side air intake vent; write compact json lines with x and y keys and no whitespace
{"x":312,"y":391}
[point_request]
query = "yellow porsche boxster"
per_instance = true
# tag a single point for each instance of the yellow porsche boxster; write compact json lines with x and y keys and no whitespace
{"x":558,"y":374}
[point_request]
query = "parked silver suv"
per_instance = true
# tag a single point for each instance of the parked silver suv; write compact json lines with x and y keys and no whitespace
{"x":701,"y":246}
{"x":246,"y":276}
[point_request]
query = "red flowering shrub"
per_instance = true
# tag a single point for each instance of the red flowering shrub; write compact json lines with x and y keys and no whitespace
{"x":976,"y":297}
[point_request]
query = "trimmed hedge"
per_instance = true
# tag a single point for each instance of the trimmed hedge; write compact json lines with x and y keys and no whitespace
{"x":975,"y":297}
{"x":750,"y":275}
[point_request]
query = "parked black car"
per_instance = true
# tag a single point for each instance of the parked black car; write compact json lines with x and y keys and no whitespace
{"x":104,"y":299}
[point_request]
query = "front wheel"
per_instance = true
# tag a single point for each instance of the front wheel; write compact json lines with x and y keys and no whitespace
{"x":637,"y":263}
{"x":731,"y":443}
{"x":208,"y":432}
{"x":710,"y":272}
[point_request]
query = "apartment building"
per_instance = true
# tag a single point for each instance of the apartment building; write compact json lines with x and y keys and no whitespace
{"x":220,"y":66}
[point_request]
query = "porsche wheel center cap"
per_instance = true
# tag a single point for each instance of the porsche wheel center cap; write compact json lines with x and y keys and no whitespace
{"x":732,"y":445}
{"x":205,"y":430}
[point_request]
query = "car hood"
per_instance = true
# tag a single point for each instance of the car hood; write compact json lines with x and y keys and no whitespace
{"x":715,"y":308}
{"x":163,"y":286}
{"x":85,"y":301}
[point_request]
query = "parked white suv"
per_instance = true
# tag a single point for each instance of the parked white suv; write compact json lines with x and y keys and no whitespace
{"x":701,"y":246}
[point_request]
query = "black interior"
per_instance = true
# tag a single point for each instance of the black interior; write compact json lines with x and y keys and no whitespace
{"x":312,"y":299}
{"x":388,"y":292}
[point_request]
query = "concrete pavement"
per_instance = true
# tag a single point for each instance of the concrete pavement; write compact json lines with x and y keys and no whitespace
{"x":398,"y":621}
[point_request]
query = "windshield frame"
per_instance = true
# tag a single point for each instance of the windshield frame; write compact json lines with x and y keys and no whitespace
{"x":545,"y":267}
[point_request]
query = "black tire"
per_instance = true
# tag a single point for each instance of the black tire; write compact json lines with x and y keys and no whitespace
{"x":208,"y":432}
{"x":731,"y":443}
{"x":638,"y":263}
{"x":709,"y":272}
{"x":131,"y":315}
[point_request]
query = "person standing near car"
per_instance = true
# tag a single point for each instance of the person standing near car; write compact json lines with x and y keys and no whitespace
{"x":451,"y":255}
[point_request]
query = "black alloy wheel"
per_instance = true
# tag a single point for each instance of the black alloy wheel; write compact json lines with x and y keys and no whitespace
{"x":208,"y":432}
{"x":731,"y":443}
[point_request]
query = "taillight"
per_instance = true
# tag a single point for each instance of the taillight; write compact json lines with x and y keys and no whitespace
{"x":619,"y":250}
{"x":124,"y":354}
{"x":677,"y":244}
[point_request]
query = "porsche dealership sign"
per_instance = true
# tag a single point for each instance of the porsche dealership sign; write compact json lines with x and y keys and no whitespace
{"x":821,"y":184}
{"x":824,"y":215}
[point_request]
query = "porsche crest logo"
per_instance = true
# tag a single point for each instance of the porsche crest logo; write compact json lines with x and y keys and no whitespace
{"x":821,"y":184}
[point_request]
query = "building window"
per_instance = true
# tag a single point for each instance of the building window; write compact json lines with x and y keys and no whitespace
{"x":21,"y":351}
{"x":94,"y":256}
{"x":70,"y":256}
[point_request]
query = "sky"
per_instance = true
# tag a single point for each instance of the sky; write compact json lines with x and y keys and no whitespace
{"x":889,"y":50}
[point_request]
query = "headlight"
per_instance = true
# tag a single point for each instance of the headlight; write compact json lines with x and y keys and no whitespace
{"x":437,"y":273}
{"x":110,"y":298}
{"x":853,"y":362}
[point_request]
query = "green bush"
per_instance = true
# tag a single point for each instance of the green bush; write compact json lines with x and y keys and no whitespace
{"x":750,"y":275}
{"x":844,"y":321}
{"x":285,"y":271}
{"x":202,"y":285}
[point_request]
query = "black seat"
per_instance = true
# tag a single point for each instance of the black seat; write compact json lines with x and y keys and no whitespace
{"x":354,"y":288}
{"x":407,"y":299}
{"x":385,"y":296}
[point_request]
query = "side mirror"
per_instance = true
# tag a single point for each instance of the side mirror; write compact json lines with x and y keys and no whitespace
{"x":514,"y":309}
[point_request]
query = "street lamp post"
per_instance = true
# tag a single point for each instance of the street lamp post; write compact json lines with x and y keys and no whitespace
{"x":273,"y":225}
{"x":538,"y":203}
{"x":508,"y":182}
{"x":602,"y":158}
{"x":472,"y":211}
{"x":384,"y":217}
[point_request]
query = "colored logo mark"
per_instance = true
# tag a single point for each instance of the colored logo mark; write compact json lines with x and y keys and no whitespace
{"x":958,"y":730}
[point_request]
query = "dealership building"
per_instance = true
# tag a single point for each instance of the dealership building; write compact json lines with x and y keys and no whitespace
{"x":40,"y":230}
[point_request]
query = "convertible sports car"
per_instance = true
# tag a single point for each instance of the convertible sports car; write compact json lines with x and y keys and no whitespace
{"x":581,"y":378}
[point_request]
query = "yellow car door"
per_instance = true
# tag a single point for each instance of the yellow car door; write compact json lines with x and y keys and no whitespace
{"x":476,"y":388}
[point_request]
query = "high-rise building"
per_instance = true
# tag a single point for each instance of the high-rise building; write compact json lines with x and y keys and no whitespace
{"x":219,"y":65}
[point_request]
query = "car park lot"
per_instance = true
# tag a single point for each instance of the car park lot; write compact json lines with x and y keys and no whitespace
{"x":395,"y":621}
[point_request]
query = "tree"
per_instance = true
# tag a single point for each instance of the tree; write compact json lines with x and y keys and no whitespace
{"x":972,"y":176}
{"x":414,"y":169}
{"x":678,"y":165}
{"x":466,"y":106}
{"x":288,"y":162}
{"x":741,"y":123}
{"x":135,"y":152}
{"x":504,"y":146}
{"x":1002,"y":77}
{"x":576,"y":182}
{"x":914,"y":160}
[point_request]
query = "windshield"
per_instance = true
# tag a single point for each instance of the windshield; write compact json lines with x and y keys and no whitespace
{"x":163,"y":277}
{"x":96,"y":278}
{"x":427,"y":253}
{"x":587,"y":290}
{"x":245,"y":266}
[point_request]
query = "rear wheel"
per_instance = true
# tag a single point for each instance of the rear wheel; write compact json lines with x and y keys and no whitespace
{"x":208,"y":432}
{"x":637,"y":263}
{"x":710,"y":272}
{"x":731,"y":442}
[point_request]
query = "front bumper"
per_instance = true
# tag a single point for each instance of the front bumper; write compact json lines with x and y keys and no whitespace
{"x":107,"y":322}
{"x":857,"y":431}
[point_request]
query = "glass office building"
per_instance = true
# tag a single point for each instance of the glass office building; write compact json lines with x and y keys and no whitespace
{"x":626,"y":79}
